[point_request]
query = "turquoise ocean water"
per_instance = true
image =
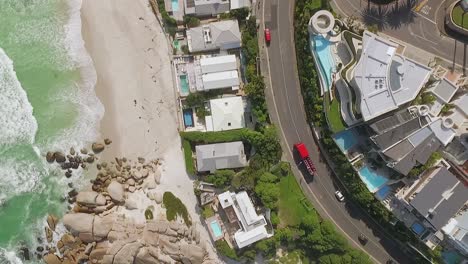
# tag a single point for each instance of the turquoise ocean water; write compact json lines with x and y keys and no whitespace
{"x":47,"y":102}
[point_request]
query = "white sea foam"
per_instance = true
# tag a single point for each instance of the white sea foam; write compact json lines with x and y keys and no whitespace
{"x":9,"y":257}
{"x":17,"y":175}
{"x":16,"y":113}
{"x":83,"y":95}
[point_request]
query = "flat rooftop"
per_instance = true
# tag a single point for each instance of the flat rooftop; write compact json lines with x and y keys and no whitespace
{"x":384,"y":80}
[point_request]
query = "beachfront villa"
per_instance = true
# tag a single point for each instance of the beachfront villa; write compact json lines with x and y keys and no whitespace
{"x":222,"y":35}
{"x":206,"y":72}
{"x":249,"y":227}
{"x":227,"y":113}
{"x":219,"y":156}
{"x":204,"y":8}
{"x":457,"y":232}
{"x":217,"y":73}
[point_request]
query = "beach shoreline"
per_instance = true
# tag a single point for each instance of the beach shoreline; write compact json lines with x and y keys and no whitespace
{"x":132,"y":59}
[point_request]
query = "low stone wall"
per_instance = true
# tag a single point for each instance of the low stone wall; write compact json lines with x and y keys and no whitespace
{"x":449,"y":21}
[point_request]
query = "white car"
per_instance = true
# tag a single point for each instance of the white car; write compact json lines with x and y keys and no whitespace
{"x":339,"y":196}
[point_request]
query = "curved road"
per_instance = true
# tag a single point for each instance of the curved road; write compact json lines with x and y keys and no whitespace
{"x":285,"y":104}
{"x":419,"y":23}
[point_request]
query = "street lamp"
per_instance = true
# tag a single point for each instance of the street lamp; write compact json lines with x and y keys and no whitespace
{"x":464,"y":6}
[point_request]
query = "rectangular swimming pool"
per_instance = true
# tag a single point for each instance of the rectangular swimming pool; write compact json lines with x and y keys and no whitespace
{"x":184,"y":86}
{"x":217,"y":232}
{"x":175,"y":5}
{"x":345,"y":140}
{"x":188,"y":117}
{"x":372,"y":180}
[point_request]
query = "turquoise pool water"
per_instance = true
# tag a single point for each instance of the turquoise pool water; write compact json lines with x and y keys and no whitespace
{"x":216,"y":229}
{"x":373,"y":180}
{"x":188,"y":117}
{"x":345,"y":140}
{"x":184,"y":86}
{"x":324,"y":55}
{"x":175,"y":5}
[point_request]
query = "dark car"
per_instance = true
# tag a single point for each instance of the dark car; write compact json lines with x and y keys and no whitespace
{"x":363,"y":239}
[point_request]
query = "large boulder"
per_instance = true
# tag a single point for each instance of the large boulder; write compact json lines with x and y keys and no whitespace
{"x":60,"y":157}
{"x":52,"y":221}
{"x":49,"y":234}
{"x":97,"y":147}
{"x":194,"y":254}
{"x":127,"y":253}
{"x":146,"y":255}
{"x":90,"y":198}
{"x":102,"y":226}
{"x":116,"y":191}
{"x":50,"y":157}
{"x":78,"y":223}
{"x":52,"y":259}
{"x":97,"y":254}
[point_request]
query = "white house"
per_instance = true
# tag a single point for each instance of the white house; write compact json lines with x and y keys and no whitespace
{"x":240,"y":209}
{"x":226,"y":113}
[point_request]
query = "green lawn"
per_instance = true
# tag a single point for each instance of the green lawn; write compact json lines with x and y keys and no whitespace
{"x":293,"y":205}
{"x":189,"y":165}
{"x":457,"y":15}
{"x":334,"y":117}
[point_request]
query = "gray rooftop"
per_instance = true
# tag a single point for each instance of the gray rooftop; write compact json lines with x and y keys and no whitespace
{"x":213,"y":157}
{"x":416,"y":149}
{"x":397,"y":127}
{"x":441,"y":198}
{"x":444,"y":90}
{"x":211,"y":7}
{"x":458,"y":150}
{"x":217,"y":35}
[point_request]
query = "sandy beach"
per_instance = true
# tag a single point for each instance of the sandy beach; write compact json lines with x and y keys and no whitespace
{"x":132,"y":60}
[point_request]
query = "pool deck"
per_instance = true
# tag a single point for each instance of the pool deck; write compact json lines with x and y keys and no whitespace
{"x":221,"y":225}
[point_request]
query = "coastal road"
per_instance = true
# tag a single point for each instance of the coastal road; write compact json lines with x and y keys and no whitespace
{"x":419,"y":23}
{"x":285,"y":104}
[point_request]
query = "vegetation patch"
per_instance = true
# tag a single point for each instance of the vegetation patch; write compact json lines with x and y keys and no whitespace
{"x":175,"y":207}
{"x":458,"y":19}
{"x":189,"y":164}
{"x":148,"y":214}
{"x":223,"y":248}
{"x":334,"y":116}
{"x":292,"y":202}
{"x":170,"y":24}
{"x":207,"y":212}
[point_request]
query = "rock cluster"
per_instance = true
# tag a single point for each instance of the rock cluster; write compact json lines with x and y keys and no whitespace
{"x":75,"y":159}
{"x":98,"y":234}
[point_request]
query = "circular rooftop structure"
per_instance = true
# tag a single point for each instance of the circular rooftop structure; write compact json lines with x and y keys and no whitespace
{"x":322,"y":22}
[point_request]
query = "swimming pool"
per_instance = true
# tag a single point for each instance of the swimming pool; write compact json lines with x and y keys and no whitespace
{"x":175,"y":5}
{"x":188,"y":117}
{"x":417,"y":228}
{"x":184,"y":86}
{"x":217,"y":232}
{"x":372,"y":180}
{"x":324,"y":55}
{"x":345,"y":140}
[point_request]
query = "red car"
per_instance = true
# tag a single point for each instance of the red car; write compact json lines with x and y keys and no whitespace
{"x":267,"y":35}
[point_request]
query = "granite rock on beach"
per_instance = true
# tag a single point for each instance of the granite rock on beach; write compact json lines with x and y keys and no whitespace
{"x":102,"y":227}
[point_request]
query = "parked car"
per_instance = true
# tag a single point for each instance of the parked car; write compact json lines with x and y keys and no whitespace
{"x":339,"y":196}
{"x":267,"y":35}
{"x":363,"y":239}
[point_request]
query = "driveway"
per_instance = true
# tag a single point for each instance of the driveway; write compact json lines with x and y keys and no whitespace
{"x":419,"y":23}
{"x":285,"y":104}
